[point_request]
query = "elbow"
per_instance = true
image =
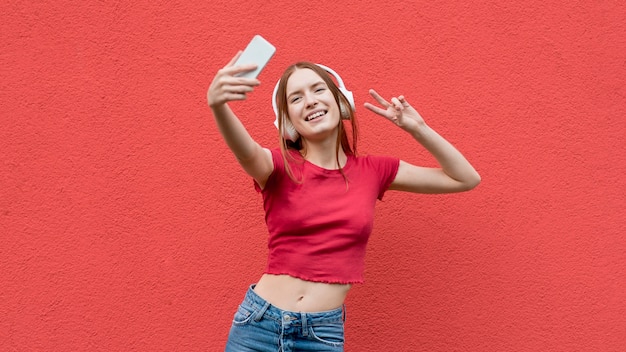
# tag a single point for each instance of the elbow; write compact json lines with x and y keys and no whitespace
{"x":472,"y":181}
{"x":468,"y":182}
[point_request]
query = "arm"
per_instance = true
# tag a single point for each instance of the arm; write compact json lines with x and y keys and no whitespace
{"x":255,"y":160}
{"x":456,"y":173}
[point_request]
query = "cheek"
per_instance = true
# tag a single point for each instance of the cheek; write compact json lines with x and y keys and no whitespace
{"x":291,"y":111}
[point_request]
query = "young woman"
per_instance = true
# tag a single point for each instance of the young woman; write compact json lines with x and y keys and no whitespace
{"x":319,"y":199}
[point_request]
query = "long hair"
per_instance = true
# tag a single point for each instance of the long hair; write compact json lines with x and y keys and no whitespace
{"x":347,"y":114}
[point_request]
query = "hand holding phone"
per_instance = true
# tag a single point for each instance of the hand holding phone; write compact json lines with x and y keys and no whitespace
{"x":259,"y":52}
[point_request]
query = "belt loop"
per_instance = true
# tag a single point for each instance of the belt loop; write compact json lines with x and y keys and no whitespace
{"x":259,"y":314}
{"x":305,"y":329}
{"x":343,"y":313}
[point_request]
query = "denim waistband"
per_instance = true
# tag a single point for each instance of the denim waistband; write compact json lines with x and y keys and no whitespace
{"x":264,"y":310}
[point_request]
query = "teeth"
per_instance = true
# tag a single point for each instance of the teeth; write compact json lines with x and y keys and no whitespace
{"x":314,"y":116}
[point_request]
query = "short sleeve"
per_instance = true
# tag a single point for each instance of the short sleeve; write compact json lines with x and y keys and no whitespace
{"x":386,"y":169}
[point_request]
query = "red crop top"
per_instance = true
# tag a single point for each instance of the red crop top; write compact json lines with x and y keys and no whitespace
{"x":319,"y":228}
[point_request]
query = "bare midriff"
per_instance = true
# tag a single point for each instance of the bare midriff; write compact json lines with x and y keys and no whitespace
{"x":289,"y":293}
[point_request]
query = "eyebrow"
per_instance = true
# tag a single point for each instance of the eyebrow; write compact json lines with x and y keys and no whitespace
{"x":300,"y":90}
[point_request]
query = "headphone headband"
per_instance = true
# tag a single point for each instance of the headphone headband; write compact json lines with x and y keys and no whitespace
{"x":290,"y":132}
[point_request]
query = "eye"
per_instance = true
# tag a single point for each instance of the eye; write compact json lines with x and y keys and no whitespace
{"x":294,"y":99}
{"x":320,"y":89}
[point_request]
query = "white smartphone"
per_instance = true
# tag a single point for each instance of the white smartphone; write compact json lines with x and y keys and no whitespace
{"x":259,"y":51}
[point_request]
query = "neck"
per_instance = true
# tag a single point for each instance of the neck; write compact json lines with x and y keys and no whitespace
{"x":323,"y":154}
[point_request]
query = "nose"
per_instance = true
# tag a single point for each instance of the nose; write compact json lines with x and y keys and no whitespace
{"x":310,"y":99}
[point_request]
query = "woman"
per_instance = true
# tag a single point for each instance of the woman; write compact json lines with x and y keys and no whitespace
{"x":319,"y":199}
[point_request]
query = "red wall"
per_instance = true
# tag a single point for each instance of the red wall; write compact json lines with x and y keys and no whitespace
{"x":126,"y":224}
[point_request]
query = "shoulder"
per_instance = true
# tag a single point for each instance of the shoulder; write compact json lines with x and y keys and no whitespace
{"x":290,"y":156}
{"x":386,"y":167}
{"x":381,"y":170}
{"x":284,"y":166}
{"x":376,"y":161}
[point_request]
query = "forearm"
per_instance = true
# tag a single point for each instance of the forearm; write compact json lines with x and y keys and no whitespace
{"x":452,"y":162}
{"x":234,"y":133}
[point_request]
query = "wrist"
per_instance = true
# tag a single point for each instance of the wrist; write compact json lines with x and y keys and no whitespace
{"x":217,"y":106}
{"x":420,"y":131}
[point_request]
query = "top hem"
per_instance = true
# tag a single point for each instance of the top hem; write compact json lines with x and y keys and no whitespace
{"x":320,"y":280}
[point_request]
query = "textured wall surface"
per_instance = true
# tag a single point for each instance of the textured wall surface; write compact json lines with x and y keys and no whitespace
{"x":126,"y":224}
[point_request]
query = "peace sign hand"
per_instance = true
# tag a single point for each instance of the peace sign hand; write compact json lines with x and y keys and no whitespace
{"x":398,"y":111}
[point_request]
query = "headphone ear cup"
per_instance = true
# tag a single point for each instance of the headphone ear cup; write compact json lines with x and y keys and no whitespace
{"x":345,"y":110}
{"x":289,"y":132}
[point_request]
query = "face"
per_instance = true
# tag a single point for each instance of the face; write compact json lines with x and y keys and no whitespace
{"x":312,"y":108}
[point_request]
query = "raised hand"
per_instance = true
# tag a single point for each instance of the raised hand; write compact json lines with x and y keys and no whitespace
{"x":228,"y":87}
{"x":398,"y":111}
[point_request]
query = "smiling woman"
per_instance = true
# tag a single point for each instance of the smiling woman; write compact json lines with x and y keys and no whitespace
{"x":307,"y":97}
{"x":315,"y":257}
{"x":311,"y":106}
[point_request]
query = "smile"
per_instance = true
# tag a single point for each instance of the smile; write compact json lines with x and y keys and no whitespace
{"x":315,"y":115}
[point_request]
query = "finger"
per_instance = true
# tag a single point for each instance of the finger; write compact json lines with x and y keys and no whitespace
{"x":235,"y":96}
{"x":243,"y":81}
{"x":397,"y":104}
{"x":376,"y":110}
{"x":378,"y":98}
{"x":403,"y":101}
{"x":235,"y":70}
{"x":238,"y":89}
{"x":234,"y":59}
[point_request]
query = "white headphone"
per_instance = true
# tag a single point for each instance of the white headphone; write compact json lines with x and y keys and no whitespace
{"x":289,"y":132}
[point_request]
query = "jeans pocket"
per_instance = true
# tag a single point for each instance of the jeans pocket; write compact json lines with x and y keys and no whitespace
{"x":330,"y":334}
{"x":243,"y":315}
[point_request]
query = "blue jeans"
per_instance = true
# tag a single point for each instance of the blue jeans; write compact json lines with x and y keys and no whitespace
{"x":259,"y":326}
